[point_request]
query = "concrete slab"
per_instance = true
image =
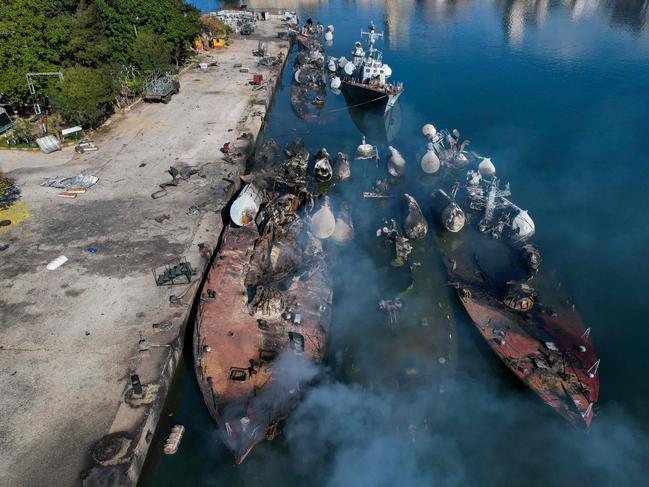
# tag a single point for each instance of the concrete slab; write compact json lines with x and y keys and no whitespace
{"x":71,"y":338}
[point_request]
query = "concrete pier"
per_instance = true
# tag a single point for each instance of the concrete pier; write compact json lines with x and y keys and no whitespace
{"x":72,"y":339}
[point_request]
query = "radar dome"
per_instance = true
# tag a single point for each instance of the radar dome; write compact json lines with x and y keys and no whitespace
{"x":486,"y":167}
{"x":365,"y":149}
{"x":523,"y":226}
{"x":429,"y":130}
{"x":323,"y":222}
{"x":430,"y":162}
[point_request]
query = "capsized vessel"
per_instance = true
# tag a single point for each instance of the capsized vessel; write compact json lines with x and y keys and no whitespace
{"x":517,"y":307}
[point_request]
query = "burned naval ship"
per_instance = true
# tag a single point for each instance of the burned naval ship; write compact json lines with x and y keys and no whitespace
{"x":265,"y":307}
{"x":485,"y":241}
{"x":364,"y":80}
{"x":308,"y":87}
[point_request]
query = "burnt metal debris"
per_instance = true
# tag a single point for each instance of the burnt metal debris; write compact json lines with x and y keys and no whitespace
{"x":308,"y":87}
{"x":265,"y":306}
{"x":392,"y":237}
{"x":169,"y":273}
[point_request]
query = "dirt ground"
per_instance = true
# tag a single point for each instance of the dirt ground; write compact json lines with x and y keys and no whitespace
{"x":71,"y":338}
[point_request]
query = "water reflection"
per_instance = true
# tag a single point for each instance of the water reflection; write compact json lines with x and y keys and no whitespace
{"x":518,"y":14}
{"x":378,"y":128}
{"x":398,"y":16}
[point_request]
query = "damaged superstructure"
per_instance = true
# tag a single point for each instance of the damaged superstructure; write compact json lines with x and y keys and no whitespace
{"x":265,"y":308}
{"x":484,"y":239}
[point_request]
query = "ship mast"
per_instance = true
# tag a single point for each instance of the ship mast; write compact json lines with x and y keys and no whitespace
{"x":372,"y":36}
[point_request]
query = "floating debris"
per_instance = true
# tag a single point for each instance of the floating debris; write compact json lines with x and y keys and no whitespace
{"x":173,"y":440}
{"x":415,"y":225}
{"x":396,"y":163}
{"x":344,"y":229}
{"x":342,"y":169}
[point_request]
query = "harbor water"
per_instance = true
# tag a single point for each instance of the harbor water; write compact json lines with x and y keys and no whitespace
{"x":556,"y":94}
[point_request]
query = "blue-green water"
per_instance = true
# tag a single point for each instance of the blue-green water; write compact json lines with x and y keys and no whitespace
{"x":556,"y":93}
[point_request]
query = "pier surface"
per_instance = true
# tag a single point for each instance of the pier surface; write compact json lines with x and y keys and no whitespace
{"x":72,"y":338}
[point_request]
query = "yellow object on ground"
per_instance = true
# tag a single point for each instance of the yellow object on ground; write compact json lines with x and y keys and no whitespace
{"x":16,"y":213}
{"x":217,"y":42}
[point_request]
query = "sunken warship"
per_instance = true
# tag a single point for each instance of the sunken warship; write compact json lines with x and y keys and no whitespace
{"x":485,"y":241}
{"x":308,"y":86}
{"x":265,"y":306}
{"x":364,"y":80}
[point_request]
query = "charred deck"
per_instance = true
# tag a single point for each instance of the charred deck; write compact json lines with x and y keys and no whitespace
{"x":255,"y":344}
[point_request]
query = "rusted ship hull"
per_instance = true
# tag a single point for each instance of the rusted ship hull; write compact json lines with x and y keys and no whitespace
{"x":370,"y":98}
{"x":547,"y":347}
{"x":253,"y":359}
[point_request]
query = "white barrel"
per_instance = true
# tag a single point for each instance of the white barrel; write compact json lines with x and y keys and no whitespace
{"x":244,"y":209}
{"x":335,"y":83}
{"x":330,"y":28}
{"x":56,"y":263}
{"x":331,"y":65}
{"x":349,"y":68}
{"x":328,"y":36}
{"x":342,"y":62}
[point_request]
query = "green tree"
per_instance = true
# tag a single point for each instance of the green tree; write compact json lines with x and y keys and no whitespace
{"x":149,"y":53}
{"x":174,"y":21}
{"x":30,"y":41}
{"x":86,"y":96}
{"x":87,"y":43}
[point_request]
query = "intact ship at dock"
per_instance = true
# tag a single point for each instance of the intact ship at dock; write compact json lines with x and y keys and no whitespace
{"x":264,"y":313}
{"x":518,"y":309}
{"x":364,"y":80}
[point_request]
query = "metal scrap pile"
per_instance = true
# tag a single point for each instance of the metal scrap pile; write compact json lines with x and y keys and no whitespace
{"x":308,"y":90}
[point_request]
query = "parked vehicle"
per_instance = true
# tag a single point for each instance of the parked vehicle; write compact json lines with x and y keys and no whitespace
{"x":160,"y":88}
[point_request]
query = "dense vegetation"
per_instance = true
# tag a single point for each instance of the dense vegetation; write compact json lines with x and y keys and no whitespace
{"x":105,"y":48}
